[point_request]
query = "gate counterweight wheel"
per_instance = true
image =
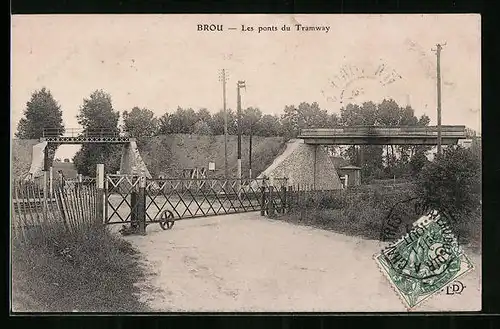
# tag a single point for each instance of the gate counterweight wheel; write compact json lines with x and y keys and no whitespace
{"x":167,"y":220}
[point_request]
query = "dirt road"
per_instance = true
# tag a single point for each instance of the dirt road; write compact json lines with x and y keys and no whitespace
{"x":246,"y":262}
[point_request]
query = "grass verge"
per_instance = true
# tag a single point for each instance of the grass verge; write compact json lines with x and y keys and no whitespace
{"x":363,"y":212}
{"x":90,"y":270}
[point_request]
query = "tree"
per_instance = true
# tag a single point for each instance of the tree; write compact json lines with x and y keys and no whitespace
{"x":250,"y":120}
{"x":304,"y":116}
{"x":42,"y":111}
{"x":372,"y":155}
{"x":202,"y":125}
{"x":97,"y":112}
{"x":217,"y":123}
{"x":203,"y":115}
{"x":269,"y":125}
{"x":202,"y":128}
{"x":418,"y":161}
{"x":386,"y":113}
{"x":182,"y":121}
{"x":451,"y":184}
{"x":140,"y":122}
{"x":164,"y":124}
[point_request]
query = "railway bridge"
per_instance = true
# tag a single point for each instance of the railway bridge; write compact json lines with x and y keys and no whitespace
{"x":373,"y":135}
{"x":131,"y":160}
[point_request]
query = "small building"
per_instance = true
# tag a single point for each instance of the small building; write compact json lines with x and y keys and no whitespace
{"x":339,"y":162}
{"x":352,"y":175}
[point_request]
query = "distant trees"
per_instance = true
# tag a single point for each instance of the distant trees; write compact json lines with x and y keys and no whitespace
{"x":97,"y":112}
{"x":202,"y":122}
{"x":377,"y":161}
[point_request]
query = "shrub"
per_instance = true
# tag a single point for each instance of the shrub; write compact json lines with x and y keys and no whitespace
{"x":331,"y":201}
{"x":356,"y":211}
{"x":452,"y":184}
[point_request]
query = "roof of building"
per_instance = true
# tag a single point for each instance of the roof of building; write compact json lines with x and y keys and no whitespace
{"x":351,"y":167}
{"x":339,"y":162}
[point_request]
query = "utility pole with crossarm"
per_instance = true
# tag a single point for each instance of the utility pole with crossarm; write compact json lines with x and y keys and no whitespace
{"x":224,"y":78}
{"x":438,"y":49}
{"x":240,"y":84}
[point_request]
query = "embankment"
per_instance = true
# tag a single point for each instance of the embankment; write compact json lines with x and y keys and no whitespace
{"x":169,"y":155}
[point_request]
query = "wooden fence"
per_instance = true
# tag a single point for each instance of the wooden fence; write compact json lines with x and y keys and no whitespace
{"x":35,"y":207}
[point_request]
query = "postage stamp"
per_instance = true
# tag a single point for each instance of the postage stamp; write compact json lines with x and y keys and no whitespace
{"x":424,"y":261}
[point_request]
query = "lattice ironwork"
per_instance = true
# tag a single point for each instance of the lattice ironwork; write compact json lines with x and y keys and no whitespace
{"x":277,"y":198}
{"x":191,"y":198}
{"x":78,"y":136}
{"x":76,"y":183}
{"x":167,"y":200}
{"x":119,"y":198}
{"x":79,"y":140}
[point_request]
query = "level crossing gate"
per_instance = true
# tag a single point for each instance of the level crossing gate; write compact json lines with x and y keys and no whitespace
{"x":130,"y":198}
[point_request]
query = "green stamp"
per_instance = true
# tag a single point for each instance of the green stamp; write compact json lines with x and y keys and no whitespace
{"x":424,"y":261}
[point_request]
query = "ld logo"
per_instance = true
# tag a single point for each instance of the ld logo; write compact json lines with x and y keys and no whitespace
{"x":455,"y":288}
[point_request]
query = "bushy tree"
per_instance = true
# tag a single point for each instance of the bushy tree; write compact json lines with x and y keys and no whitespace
{"x":250,"y":120}
{"x":269,"y":125}
{"x":394,"y":160}
{"x":140,"y":122}
{"x":418,"y":162}
{"x":182,"y":121}
{"x":203,"y":115}
{"x":202,"y":128}
{"x":202,"y":125}
{"x":372,"y":155}
{"x":42,"y":111}
{"x":452,"y":183}
{"x":217,"y":123}
{"x":303,"y":116}
{"x":97,"y":112}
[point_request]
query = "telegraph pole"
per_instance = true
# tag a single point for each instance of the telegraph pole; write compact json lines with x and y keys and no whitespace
{"x":239,"y":85}
{"x":224,"y":79}
{"x":439,"y":47}
{"x":250,"y":153}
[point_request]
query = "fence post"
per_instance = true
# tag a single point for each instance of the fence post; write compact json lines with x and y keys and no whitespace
{"x":51,"y":182}
{"x":263,"y":200}
{"x":133,"y":208}
{"x":100,"y":193}
{"x":80,"y":181}
{"x":271,"y":203}
{"x":141,"y":205}
{"x":45,"y":186}
{"x":284,"y":205}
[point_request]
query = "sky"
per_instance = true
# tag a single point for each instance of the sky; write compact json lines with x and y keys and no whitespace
{"x":161,"y":62}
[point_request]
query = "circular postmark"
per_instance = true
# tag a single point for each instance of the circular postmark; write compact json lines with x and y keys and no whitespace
{"x":424,"y":260}
{"x":354,"y":81}
{"x":405,"y":214}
